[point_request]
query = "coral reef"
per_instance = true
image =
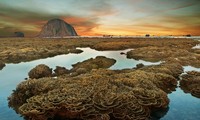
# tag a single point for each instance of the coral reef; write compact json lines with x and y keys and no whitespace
{"x":88,"y":65}
{"x":14,"y":50}
{"x":100,"y":94}
{"x":190,"y":83}
{"x":40,"y":71}
{"x":2,"y":65}
{"x":140,"y":65}
{"x":170,"y":54}
{"x":173,"y":69}
{"x":77,"y":51}
{"x":125,"y":43}
{"x":43,"y":70}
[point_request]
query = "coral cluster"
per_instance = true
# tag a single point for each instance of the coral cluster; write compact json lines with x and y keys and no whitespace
{"x":173,"y":69}
{"x":14,"y":50}
{"x":40,"y":71}
{"x":190,"y":83}
{"x":100,"y":94}
{"x":169,"y":54}
{"x":88,"y":65}
{"x":79,"y":68}
{"x":60,"y":71}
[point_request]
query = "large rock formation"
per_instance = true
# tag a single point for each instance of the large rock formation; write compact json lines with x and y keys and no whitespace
{"x":57,"y":28}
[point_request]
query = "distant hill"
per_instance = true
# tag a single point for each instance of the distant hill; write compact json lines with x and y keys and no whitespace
{"x":57,"y":28}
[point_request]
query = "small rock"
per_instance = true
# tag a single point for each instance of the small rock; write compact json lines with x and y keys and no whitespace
{"x":140,"y":65}
{"x":122,"y":53}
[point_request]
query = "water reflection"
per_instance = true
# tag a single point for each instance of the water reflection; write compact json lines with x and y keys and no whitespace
{"x":183,"y":106}
{"x":158,"y":114}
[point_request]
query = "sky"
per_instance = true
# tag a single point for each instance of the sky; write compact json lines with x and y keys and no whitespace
{"x":103,"y":17}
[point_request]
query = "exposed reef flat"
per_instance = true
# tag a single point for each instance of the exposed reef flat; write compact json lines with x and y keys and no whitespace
{"x":14,"y":50}
{"x":190,"y":83}
{"x":43,"y":70}
{"x":98,"y":94}
{"x":173,"y":55}
{"x":95,"y":92}
{"x":88,"y":65}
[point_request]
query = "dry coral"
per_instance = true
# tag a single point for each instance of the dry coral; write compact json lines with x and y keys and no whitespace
{"x":173,"y":69}
{"x":40,"y":71}
{"x":88,"y":65}
{"x":190,"y":83}
{"x":60,"y":71}
{"x":100,"y":94}
{"x":169,"y":54}
{"x":14,"y":50}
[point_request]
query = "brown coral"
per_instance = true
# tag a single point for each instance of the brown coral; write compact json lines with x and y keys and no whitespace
{"x":88,"y":65}
{"x":60,"y":71}
{"x":169,"y":54}
{"x":98,"y":95}
{"x":190,"y":83}
{"x":174,"y":69}
{"x":40,"y":71}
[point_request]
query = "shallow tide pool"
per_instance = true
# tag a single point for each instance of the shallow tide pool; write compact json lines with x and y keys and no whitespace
{"x":182,"y":106}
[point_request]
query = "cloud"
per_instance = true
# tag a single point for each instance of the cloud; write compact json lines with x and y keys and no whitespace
{"x":83,"y":25}
{"x":34,"y":20}
{"x":95,"y":17}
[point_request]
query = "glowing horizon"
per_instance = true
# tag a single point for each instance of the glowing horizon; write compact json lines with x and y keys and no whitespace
{"x":99,"y":17}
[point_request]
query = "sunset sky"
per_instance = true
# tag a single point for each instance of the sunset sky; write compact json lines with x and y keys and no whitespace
{"x":98,"y":17}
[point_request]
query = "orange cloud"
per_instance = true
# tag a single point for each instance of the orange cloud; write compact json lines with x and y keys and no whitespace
{"x":83,"y":26}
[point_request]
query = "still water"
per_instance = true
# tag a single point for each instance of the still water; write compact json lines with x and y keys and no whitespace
{"x":182,"y":106}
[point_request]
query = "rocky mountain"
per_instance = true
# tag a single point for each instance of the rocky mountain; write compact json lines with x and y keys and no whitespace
{"x":57,"y":28}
